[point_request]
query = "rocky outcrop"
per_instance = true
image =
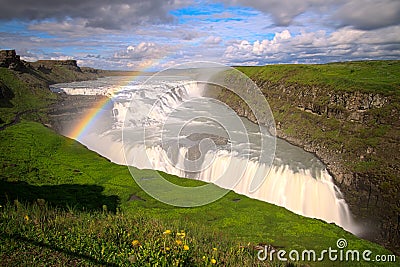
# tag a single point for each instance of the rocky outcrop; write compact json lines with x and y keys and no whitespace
{"x":10,"y":59}
{"x":320,"y":100}
{"x":48,"y":65}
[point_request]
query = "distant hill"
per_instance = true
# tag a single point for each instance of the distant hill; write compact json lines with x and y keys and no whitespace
{"x":24,"y":86}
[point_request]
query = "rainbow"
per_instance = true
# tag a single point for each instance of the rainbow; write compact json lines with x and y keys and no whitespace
{"x":90,"y":117}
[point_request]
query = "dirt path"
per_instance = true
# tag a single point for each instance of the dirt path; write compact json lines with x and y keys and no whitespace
{"x":17,"y":119}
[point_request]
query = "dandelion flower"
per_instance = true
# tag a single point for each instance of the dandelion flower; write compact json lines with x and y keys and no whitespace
{"x":215,"y":249}
{"x":182,"y":235}
{"x":178,"y":242}
{"x":167,"y":232}
{"x":185,"y":247}
{"x":213,"y":261}
{"x":26,"y":217}
{"x":135,"y":243}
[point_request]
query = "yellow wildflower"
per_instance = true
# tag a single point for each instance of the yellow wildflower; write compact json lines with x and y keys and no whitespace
{"x":213,"y":261}
{"x":182,"y":235}
{"x":167,"y":248}
{"x":185,"y":247}
{"x":204,"y":257}
{"x":215,"y":249}
{"x":135,"y":243}
{"x":178,"y":242}
{"x":26,"y":217}
{"x":167,"y":232}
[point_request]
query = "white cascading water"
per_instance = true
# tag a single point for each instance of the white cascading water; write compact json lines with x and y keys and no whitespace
{"x":296,"y":180}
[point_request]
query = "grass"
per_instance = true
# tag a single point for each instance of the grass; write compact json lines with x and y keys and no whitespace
{"x":365,"y":76}
{"x":24,"y":97}
{"x":37,"y":234}
{"x":85,"y":216}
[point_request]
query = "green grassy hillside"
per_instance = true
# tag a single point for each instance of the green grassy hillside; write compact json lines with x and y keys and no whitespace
{"x":364,"y":76}
{"x":36,"y":164}
{"x":22,"y":96}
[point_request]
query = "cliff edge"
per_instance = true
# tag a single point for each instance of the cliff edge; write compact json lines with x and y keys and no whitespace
{"x":348,"y":114}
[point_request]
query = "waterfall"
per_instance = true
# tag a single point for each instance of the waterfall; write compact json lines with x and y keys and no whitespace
{"x":303,"y":190}
{"x":297,"y":191}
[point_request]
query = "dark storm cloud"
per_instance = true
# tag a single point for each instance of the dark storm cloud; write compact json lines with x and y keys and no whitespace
{"x":283,"y":12}
{"x":369,"y":14}
{"x":106,"y":14}
{"x":360,"y":14}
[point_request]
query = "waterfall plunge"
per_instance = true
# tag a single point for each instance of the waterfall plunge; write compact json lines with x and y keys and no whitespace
{"x":305,"y":193}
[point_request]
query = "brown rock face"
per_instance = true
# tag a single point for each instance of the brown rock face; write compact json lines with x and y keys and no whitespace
{"x":10,"y":59}
{"x":48,"y":65}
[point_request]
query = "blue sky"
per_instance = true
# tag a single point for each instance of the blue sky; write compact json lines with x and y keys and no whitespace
{"x":156,"y":34}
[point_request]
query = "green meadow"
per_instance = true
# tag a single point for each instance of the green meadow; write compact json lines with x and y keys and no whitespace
{"x":375,"y":76}
{"x":59,"y":196}
{"x":64,"y":205}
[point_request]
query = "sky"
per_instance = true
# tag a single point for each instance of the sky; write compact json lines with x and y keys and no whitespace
{"x":157,"y":34}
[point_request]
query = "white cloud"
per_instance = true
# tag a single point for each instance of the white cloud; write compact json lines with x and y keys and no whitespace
{"x":143,"y":50}
{"x":213,"y":40}
{"x":61,"y":57}
{"x":263,"y":49}
{"x":344,"y":44}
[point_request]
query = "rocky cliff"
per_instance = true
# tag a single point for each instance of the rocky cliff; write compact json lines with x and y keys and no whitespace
{"x":10,"y":59}
{"x":355,"y":132}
